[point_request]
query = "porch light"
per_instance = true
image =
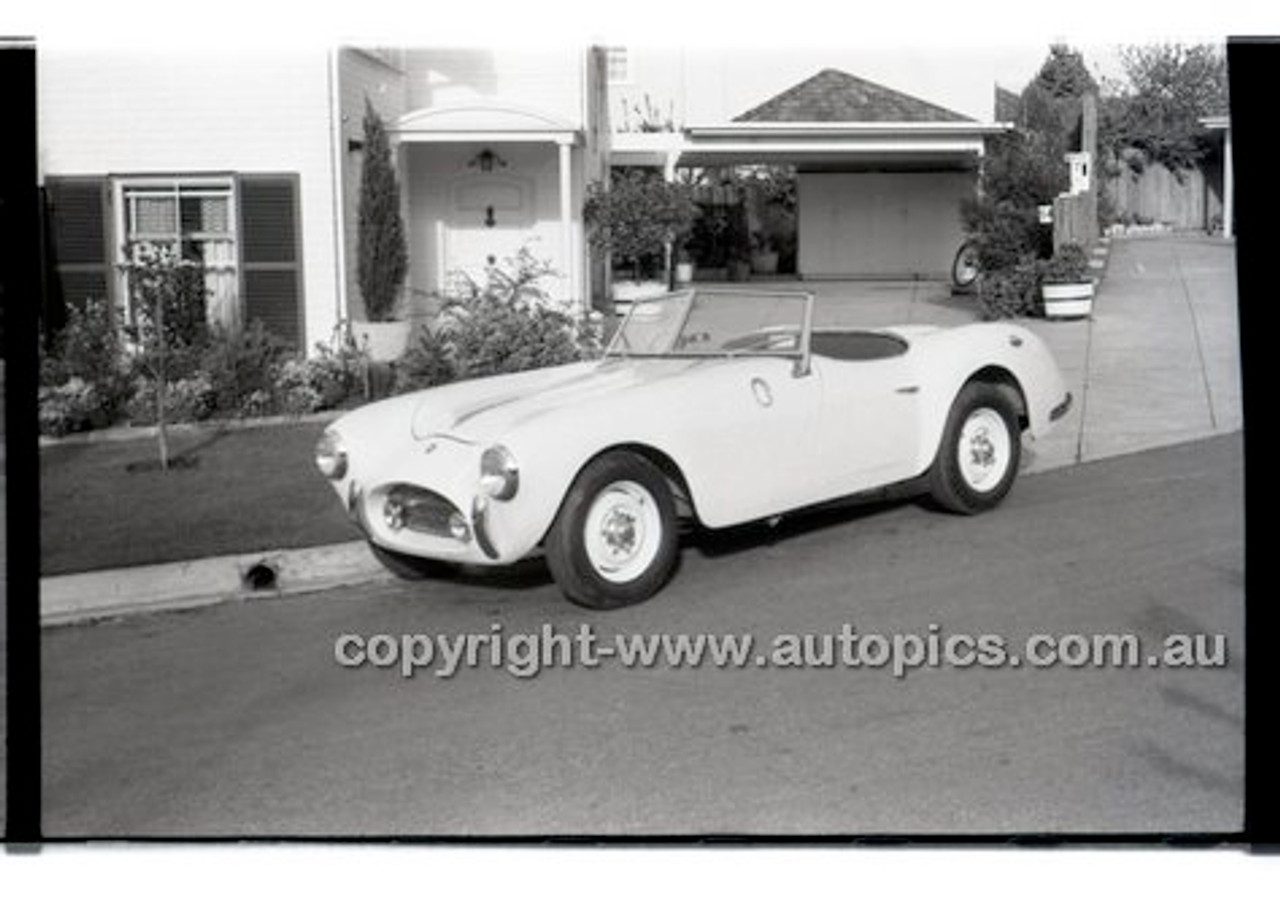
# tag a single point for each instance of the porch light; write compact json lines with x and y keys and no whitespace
{"x":485,"y":160}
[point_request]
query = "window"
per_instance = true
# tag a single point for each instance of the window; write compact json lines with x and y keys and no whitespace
{"x":193,"y":216}
{"x":618,"y":65}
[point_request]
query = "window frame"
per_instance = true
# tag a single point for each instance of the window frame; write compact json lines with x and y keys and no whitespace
{"x":611,"y":55}
{"x":126,"y":188}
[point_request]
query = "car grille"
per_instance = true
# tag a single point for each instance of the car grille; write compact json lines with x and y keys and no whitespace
{"x":416,"y":509}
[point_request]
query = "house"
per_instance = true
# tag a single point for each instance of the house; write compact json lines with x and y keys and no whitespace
{"x":251,"y":163}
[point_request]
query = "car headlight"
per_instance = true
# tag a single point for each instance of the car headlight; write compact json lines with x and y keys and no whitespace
{"x":499,"y":474}
{"x":331,"y":456}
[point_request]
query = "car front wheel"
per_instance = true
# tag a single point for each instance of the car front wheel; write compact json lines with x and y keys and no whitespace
{"x":980,"y":450}
{"x":613,"y":543}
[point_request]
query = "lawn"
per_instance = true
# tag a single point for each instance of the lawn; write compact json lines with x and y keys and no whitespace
{"x":107,"y":505}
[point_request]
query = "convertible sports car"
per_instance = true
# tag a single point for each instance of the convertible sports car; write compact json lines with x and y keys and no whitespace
{"x":722,"y":407}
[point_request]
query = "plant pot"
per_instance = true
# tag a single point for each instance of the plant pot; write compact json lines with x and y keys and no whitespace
{"x":630,"y":291}
{"x":684,"y":272}
{"x":624,"y":293}
{"x":1067,"y":300}
{"x":765,"y":263}
{"x":711,"y":273}
{"x":384,"y":341}
{"x":739,"y":270}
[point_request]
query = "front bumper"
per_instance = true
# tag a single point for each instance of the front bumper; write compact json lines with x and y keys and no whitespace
{"x":368,"y":512}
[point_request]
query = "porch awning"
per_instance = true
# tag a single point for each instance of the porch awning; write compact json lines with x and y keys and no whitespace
{"x":491,"y":123}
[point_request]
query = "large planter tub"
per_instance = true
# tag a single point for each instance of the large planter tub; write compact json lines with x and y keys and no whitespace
{"x":1067,"y":300}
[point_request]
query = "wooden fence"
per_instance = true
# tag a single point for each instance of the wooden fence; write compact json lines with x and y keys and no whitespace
{"x":1191,"y":200}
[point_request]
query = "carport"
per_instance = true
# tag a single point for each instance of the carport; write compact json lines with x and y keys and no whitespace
{"x":880,"y":174}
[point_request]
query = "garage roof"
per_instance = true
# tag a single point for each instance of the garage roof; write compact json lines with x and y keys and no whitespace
{"x":836,"y":96}
{"x":833,"y":121}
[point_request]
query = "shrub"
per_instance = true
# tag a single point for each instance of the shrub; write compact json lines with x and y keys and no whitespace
{"x":240,"y":365}
{"x":1009,"y":292}
{"x":88,"y":346}
{"x":76,"y":405}
{"x":337,"y":373}
{"x":424,"y":364}
{"x":505,"y":325}
{"x":87,"y":373}
{"x":638,"y":215}
{"x":1003,"y":233}
{"x":1070,"y":265}
{"x":186,"y":399}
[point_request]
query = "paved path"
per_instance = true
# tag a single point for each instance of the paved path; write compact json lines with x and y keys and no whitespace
{"x":1164,"y":353}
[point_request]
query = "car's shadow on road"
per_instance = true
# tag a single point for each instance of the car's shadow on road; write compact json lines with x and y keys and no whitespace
{"x":532,"y":573}
{"x":753,"y":535}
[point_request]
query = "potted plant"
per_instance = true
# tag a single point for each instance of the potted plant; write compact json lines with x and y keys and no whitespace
{"x":638,"y":219}
{"x":1065,"y":285}
{"x":382,"y":255}
{"x":684,"y":266}
{"x":764,"y":254}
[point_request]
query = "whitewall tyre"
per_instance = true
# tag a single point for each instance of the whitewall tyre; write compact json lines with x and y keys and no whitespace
{"x":981,"y":448}
{"x":614,"y":541}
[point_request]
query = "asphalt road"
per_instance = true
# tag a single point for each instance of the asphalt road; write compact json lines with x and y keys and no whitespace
{"x":236,"y":720}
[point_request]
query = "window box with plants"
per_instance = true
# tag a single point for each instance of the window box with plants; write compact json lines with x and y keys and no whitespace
{"x":1065,"y":285}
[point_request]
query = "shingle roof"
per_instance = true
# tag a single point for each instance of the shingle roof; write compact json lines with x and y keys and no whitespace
{"x":835,"y":96}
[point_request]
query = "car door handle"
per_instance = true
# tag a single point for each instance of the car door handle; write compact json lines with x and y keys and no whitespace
{"x":760,"y":390}
{"x":910,"y":388}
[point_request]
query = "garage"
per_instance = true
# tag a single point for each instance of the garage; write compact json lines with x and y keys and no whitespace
{"x":881,"y":174}
{"x":880,"y":224}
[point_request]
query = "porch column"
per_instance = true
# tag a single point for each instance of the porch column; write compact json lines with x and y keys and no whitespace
{"x":1228,"y":188}
{"x":566,"y":223}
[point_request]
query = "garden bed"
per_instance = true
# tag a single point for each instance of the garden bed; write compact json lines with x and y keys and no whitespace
{"x":244,"y":490}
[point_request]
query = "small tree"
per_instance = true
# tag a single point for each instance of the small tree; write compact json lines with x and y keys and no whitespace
{"x":169,"y":298}
{"x":382,"y":254}
{"x":1157,"y":110}
{"x":639,"y":216}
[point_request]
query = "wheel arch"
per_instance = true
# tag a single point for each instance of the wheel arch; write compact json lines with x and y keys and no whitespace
{"x":676,"y":480}
{"x":1003,"y":378}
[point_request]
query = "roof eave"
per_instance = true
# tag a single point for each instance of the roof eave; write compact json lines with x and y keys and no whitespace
{"x":739,"y":130}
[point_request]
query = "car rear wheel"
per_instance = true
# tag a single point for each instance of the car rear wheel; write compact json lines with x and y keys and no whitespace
{"x":613,"y":543}
{"x":964,"y":268}
{"x":980,"y":450}
{"x":412,"y":568}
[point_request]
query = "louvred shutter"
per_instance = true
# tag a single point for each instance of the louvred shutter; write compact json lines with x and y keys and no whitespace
{"x":77,"y":257}
{"x":270,"y":254}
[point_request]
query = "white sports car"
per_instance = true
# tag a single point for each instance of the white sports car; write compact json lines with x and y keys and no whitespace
{"x":721,"y":407}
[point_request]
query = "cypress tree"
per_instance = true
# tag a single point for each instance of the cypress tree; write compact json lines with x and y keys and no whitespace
{"x":382,"y":254}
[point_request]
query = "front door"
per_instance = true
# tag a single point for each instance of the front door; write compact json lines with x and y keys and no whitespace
{"x":490,"y":221}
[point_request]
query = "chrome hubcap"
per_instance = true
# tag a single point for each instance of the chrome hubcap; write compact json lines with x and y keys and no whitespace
{"x":985,"y":449}
{"x":623,"y":531}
